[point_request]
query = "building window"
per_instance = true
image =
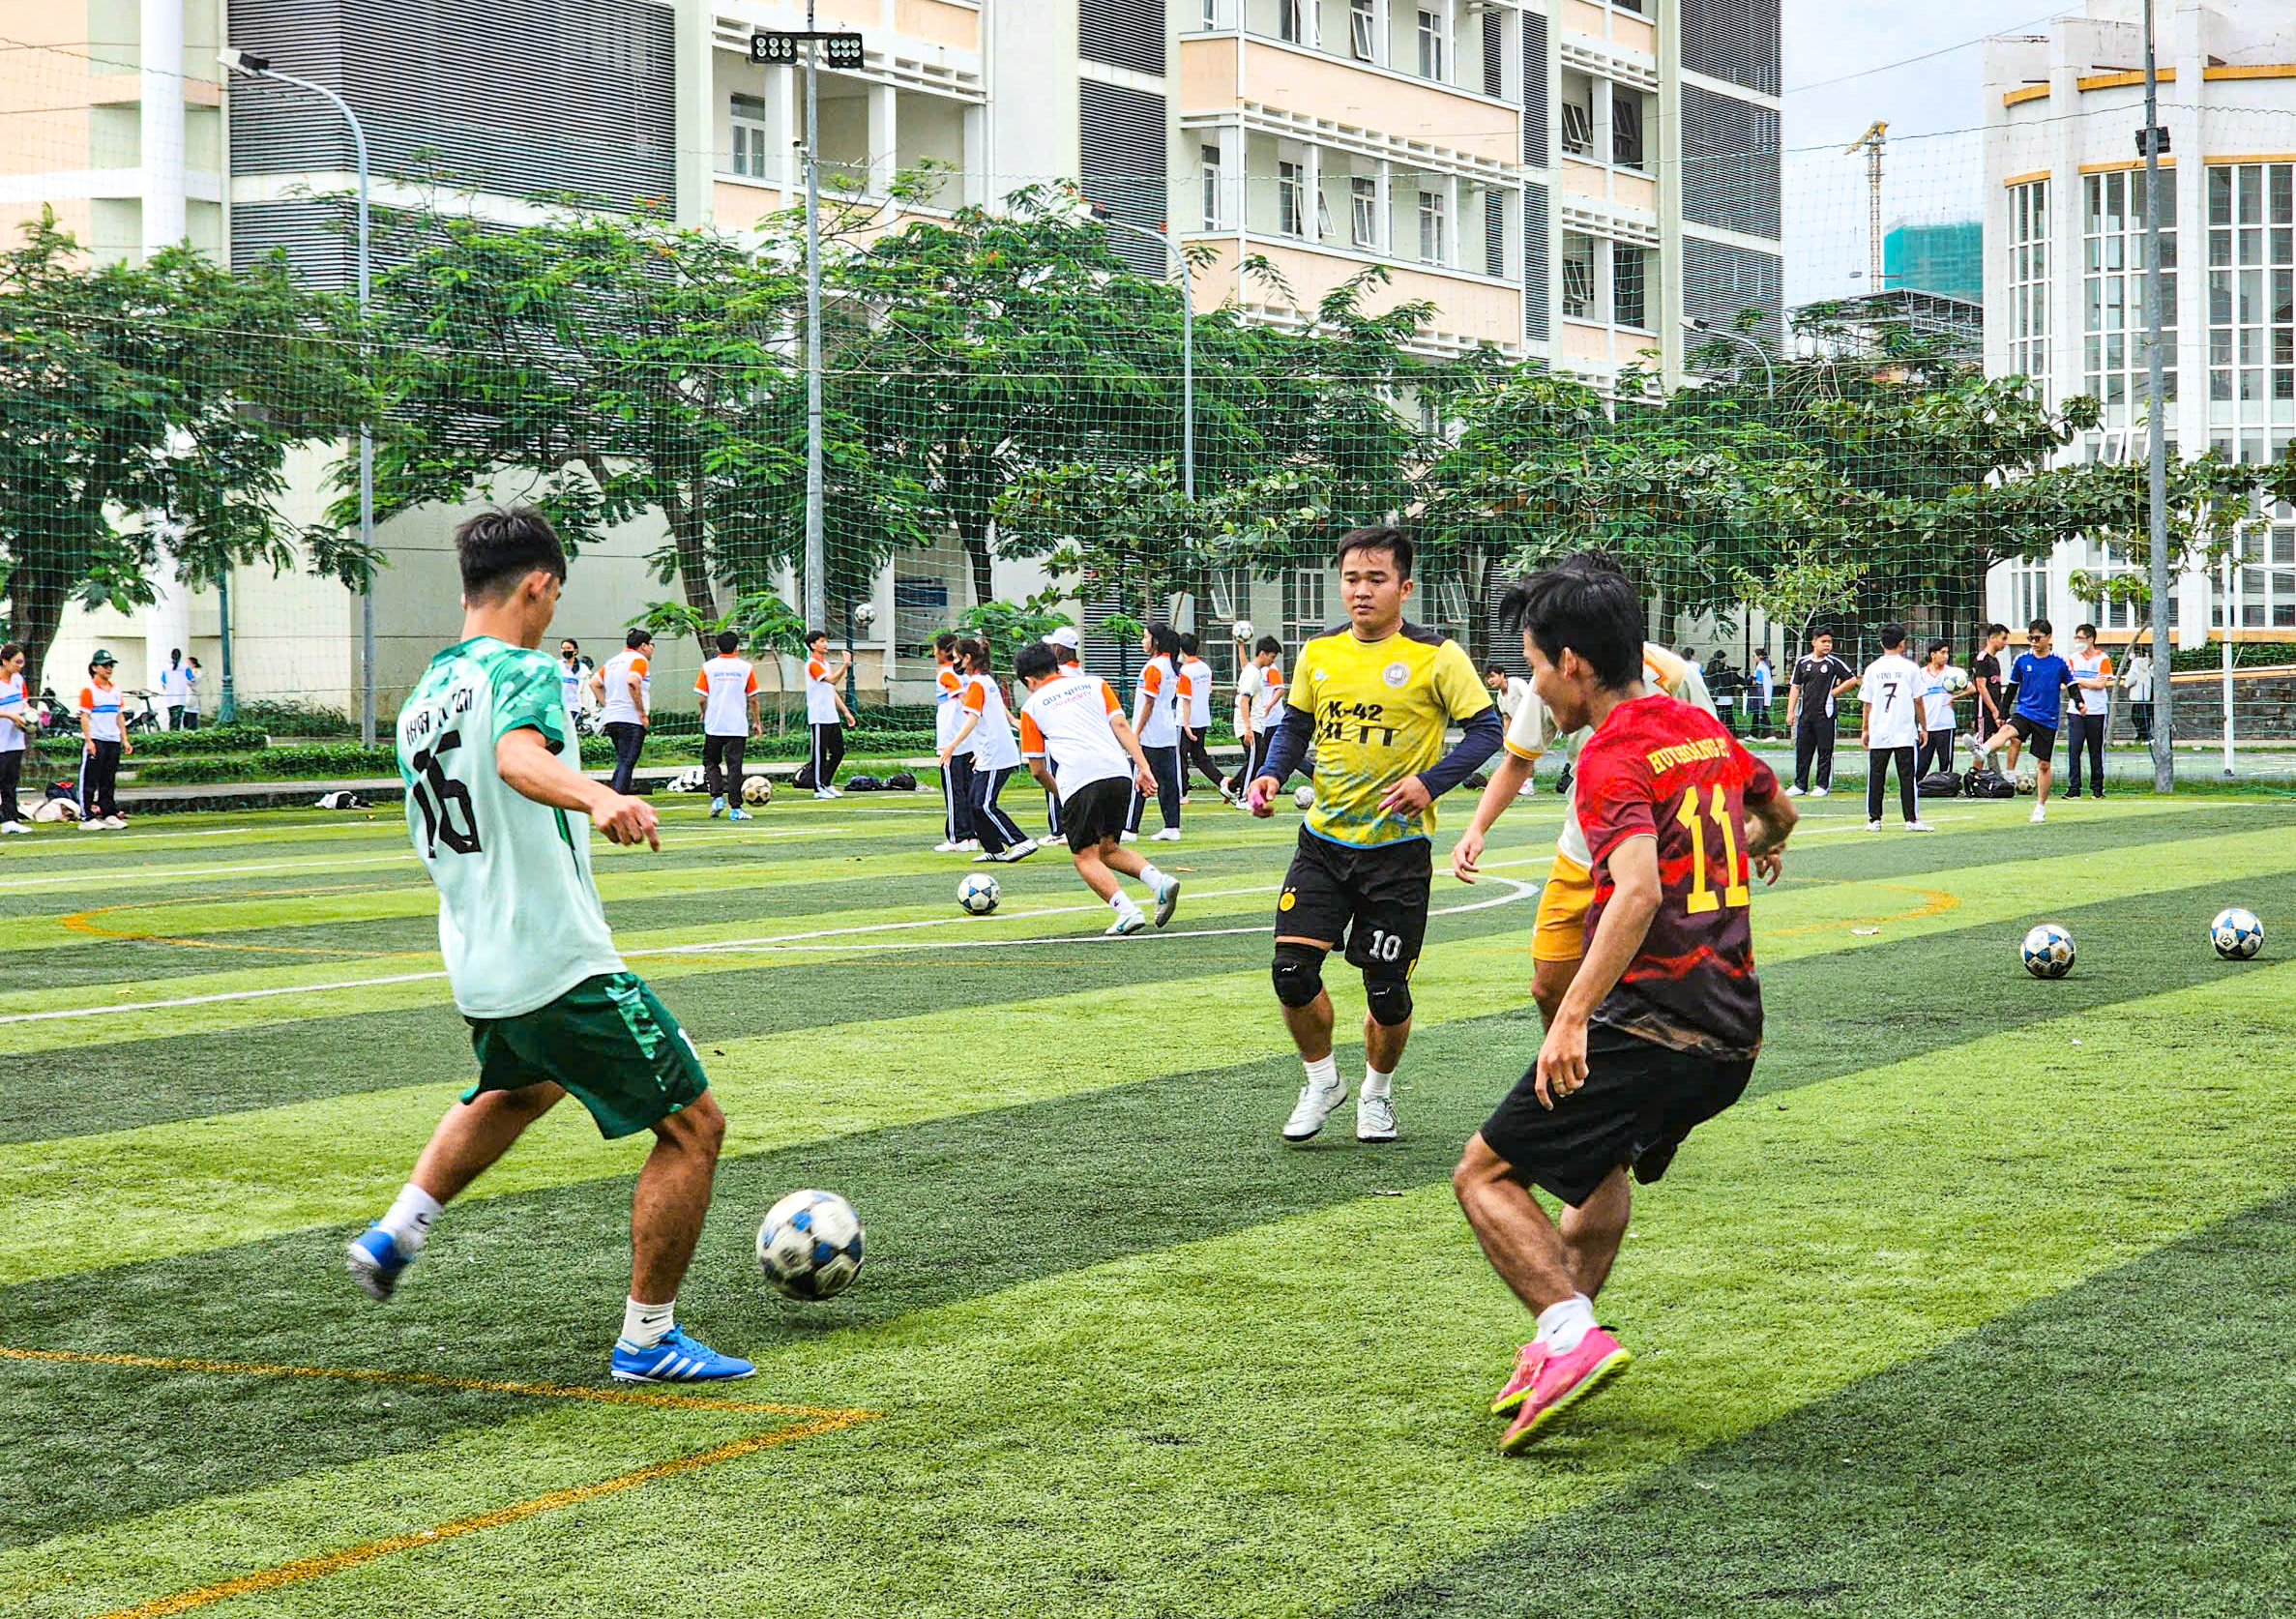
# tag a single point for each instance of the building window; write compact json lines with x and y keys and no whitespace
{"x":1289,"y":25}
{"x":1629,"y":285}
{"x":2252,"y":290}
{"x":1626,"y":128}
{"x":750,"y":149}
{"x":1433,"y":242}
{"x":1291,"y":200}
{"x":1579,"y":124}
{"x":1579,"y":275}
{"x":2113,"y":359}
{"x":1210,"y":158}
{"x":1430,"y":44}
{"x":2030,"y":586}
{"x":2028,"y":282}
{"x":1363,"y":207}
{"x":1361,"y":18}
{"x":1302,"y":606}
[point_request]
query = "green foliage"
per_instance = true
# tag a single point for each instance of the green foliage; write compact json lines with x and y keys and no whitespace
{"x":288,"y":717}
{"x":174,"y":388}
{"x":1006,"y":629}
{"x":205,"y":738}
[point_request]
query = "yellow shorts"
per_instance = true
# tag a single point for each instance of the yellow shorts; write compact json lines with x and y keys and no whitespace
{"x":1560,"y":933}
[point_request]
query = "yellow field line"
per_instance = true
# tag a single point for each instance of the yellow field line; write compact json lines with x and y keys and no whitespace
{"x":350,"y":1557}
{"x":434,"y":1380}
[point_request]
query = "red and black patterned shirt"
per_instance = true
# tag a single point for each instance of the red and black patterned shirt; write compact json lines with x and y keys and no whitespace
{"x":1663,"y":768}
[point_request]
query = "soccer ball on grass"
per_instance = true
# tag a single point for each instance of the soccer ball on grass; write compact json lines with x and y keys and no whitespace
{"x":978,"y":892}
{"x":757,"y":789}
{"x":2048,"y":951}
{"x":1304,"y":797}
{"x":2236,"y":933}
{"x":809,"y":1245}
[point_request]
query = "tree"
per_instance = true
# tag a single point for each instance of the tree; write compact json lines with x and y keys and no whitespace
{"x":620,"y":366}
{"x":770,"y":630}
{"x":149,"y":411}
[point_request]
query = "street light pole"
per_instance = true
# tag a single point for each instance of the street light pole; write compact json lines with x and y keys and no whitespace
{"x":258,"y":66}
{"x":1171,"y":243}
{"x":1741,"y":339}
{"x":816,"y":546}
{"x":2153,"y":140}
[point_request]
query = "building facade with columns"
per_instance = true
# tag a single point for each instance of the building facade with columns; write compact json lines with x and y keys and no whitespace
{"x":2065,"y":215}
{"x":1564,"y":180}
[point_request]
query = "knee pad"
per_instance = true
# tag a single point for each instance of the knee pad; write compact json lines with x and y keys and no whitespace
{"x":1298,"y":973}
{"x":1389,"y":1000}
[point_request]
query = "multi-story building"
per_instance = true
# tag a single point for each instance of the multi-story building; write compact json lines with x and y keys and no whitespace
{"x":2065,"y":218}
{"x":1566,"y":181}
{"x":1947,"y":259}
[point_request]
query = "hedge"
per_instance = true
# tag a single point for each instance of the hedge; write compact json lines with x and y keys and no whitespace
{"x":208,"y":739}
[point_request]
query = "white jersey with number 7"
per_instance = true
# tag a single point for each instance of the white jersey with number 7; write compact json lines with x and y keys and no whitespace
{"x":519,"y":919}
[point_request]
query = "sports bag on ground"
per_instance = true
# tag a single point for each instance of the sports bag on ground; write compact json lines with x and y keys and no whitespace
{"x":1939,"y":783}
{"x":1982,"y":783}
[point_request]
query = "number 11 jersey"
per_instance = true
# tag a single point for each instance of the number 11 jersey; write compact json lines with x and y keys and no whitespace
{"x":1656,"y":767}
{"x":519,"y":919}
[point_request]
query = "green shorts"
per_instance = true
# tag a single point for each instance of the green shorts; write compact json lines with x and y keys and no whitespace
{"x":607,"y":1040}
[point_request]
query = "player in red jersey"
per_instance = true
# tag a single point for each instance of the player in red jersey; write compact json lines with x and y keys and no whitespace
{"x":1658,"y":1030}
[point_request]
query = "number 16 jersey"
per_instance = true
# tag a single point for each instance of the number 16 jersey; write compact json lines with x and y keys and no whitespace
{"x":520,"y":921}
{"x":1659,"y":768}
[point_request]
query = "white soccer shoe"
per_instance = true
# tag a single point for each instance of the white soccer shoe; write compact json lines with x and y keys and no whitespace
{"x":2040,"y":813}
{"x":1820,"y":792}
{"x":1313,"y":1107}
{"x":1872,"y":826}
{"x":1169,"y":835}
{"x":1131,"y":919}
{"x":1920,"y":826}
{"x":1168,"y":901}
{"x":823,"y":792}
{"x":1018,"y":851}
{"x":1375,"y":1118}
{"x":947,"y":845}
{"x":1793,"y":792}
{"x":13,"y":827}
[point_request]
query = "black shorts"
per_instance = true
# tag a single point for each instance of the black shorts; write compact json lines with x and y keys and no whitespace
{"x":1374,"y":899}
{"x":1640,"y":1102}
{"x":2039,"y":740}
{"x":1096,"y":812}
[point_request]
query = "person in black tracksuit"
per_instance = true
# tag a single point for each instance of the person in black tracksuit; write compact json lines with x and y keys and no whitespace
{"x":1818,"y":679}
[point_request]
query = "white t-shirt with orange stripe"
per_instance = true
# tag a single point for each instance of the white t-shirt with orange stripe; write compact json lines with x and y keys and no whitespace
{"x":617,"y":709}
{"x":821,"y":693}
{"x":948,"y":709}
{"x":1066,"y":719}
{"x":724,"y":685}
{"x":991,"y":741}
{"x":1152,"y":709}
{"x":1195,"y":683}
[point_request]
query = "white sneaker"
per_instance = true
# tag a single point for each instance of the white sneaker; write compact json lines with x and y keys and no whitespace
{"x":1018,"y":851}
{"x":1129,"y":838}
{"x":1131,"y":919}
{"x":823,"y":792}
{"x":1375,"y":1118}
{"x":985,"y":856}
{"x":947,"y":845}
{"x":1168,"y":901}
{"x":12,"y":828}
{"x":1820,"y":792}
{"x":1793,"y":792}
{"x":1872,"y":826}
{"x":92,"y":826}
{"x":968,"y":845}
{"x":115,"y":823}
{"x":2040,"y":813}
{"x":1313,"y":1109}
{"x":1920,"y":826}
{"x":1169,"y":835}
{"x":837,"y":792}
{"x":1184,"y":801}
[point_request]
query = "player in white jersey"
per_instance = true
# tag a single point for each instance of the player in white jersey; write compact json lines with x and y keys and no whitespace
{"x":1558,"y":939}
{"x":956,"y":766}
{"x":1077,"y":742}
{"x":551,"y":1008}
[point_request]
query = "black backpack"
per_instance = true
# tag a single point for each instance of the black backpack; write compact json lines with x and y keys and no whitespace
{"x":863,"y":784}
{"x":900,"y":781}
{"x":1982,"y":783}
{"x":1939,"y":783}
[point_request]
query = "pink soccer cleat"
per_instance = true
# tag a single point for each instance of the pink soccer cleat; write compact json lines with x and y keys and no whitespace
{"x":1526,"y":1373}
{"x":1562,"y":1382}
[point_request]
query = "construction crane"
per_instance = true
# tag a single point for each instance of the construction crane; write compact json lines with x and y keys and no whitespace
{"x":1872,"y":141}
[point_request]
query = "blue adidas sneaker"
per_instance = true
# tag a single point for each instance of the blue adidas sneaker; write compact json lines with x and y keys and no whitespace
{"x":374,"y":1263}
{"x":676,"y":1359}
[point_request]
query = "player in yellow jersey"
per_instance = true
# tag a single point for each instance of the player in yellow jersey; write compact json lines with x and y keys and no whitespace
{"x":1375,"y":697}
{"x":1559,"y":942}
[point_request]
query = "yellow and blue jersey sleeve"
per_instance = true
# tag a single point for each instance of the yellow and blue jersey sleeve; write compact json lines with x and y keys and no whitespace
{"x":1376,"y":712}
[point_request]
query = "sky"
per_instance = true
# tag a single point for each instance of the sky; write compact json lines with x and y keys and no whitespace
{"x":1931,"y":169}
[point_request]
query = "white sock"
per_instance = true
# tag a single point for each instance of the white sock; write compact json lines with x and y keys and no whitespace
{"x":644,"y":1325}
{"x":1121,"y":902}
{"x":410,"y":1216}
{"x":1377,"y":1084}
{"x":1150,"y":875}
{"x":1561,"y":1326}
{"x":1323,"y":1073}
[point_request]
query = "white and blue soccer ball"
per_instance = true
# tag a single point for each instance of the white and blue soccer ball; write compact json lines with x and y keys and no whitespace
{"x":1304,"y":797}
{"x":2048,"y":951}
{"x":811,"y":1245}
{"x":978,"y":892}
{"x":1242,"y":630}
{"x":2236,"y":933}
{"x":1956,"y":680}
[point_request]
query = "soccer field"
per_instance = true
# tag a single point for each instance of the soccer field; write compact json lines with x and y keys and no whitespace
{"x":1978,"y":1302}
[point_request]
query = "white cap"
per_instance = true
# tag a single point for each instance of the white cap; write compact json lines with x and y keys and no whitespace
{"x":1064,"y":635}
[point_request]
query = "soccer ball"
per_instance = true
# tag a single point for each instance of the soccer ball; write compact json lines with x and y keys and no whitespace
{"x":1304,"y":797}
{"x":757,"y":789}
{"x":977,"y":893}
{"x":1242,"y":628}
{"x":2236,"y":933}
{"x":809,"y":1246}
{"x":2048,"y":951}
{"x":1957,"y":679}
